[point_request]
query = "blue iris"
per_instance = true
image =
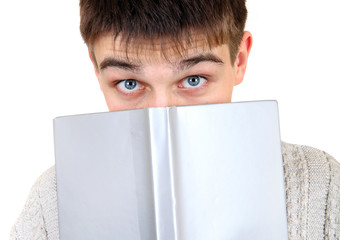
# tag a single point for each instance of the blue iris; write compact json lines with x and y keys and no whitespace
{"x":193,"y":80}
{"x":130,"y":84}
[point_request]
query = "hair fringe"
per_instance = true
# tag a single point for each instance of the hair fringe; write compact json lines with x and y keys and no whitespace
{"x":161,"y":22}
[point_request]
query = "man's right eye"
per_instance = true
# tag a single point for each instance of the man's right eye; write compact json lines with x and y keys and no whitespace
{"x":129,"y":86}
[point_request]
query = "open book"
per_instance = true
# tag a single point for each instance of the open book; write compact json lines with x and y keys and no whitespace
{"x":204,"y":172}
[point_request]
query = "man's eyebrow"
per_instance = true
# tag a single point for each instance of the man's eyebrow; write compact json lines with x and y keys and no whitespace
{"x":207,"y":57}
{"x":183,"y":64}
{"x":118,"y":63}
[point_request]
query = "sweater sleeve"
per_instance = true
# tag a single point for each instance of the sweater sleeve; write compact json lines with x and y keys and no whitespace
{"x":39,"y":219}
{"x":332,"y":227}
{"x":312,"y":179}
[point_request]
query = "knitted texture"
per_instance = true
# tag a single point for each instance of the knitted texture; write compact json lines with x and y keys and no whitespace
{"x":312,"y":180}
{"x":39,"y":218}
{"x":332,"y":226}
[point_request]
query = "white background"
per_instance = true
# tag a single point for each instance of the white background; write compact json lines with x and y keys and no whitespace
{"x":45,"y":73}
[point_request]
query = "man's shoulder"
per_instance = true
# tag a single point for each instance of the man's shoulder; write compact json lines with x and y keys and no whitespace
{"x":312,"y":180}
{"x":313,"y":160}
{"x":39,"y":218}
{"x":46,"y":183}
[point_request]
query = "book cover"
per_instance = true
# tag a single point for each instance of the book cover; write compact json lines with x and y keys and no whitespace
{"x":176,"y":173}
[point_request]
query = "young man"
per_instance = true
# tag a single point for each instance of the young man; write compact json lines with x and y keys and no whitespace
{"x":164,"y":53}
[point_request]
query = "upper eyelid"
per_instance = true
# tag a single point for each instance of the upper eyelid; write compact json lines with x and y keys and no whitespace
{"x":197,"y":75}
{"x":119,"y":81}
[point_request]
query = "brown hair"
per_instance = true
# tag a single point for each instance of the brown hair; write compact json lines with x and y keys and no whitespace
{"x":219,"y":21}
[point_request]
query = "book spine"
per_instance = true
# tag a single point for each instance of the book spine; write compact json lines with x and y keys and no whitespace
{"x":164,"y":198}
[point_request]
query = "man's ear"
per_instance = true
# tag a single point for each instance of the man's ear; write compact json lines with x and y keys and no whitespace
{"x":95,"y":66}
{"x":241,"y":60}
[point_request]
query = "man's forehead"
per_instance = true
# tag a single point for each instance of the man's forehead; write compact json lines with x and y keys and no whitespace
{"x":149,"y":51}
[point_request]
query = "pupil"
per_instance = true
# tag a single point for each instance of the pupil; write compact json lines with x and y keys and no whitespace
{"x":130,"y":84}
{"x":194,"y":81}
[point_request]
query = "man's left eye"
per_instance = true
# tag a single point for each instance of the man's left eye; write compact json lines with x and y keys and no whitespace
{"x":193,"y":81}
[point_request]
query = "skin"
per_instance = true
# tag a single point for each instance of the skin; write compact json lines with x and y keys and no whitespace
{"x":159,"y":82}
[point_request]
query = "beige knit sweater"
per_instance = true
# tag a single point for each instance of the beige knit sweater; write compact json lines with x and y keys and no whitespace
{"x":312,"y":179}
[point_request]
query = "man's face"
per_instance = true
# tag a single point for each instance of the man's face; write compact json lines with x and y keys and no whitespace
{"x":146,"y":79}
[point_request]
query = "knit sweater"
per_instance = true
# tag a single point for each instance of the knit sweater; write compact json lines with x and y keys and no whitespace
{"x":312,"y":183}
